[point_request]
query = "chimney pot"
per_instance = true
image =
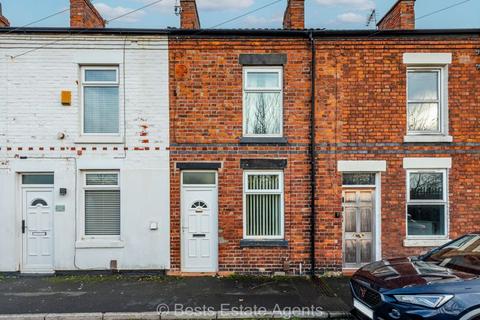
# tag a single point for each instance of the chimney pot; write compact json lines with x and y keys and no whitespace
{"x":189,"y":18}
{"x":83,"y":14}
{"x":4,"y":23}
{"x":294,"y":17}
{"x":400,"y":17}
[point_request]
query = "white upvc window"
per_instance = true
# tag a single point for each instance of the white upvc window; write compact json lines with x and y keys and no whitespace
{"x":427,"y":204}
{"x":426,"y":101}
{"x":262,"y":101}
{"x":263,"y":205}
{"x":101,"y":204}
{"x":100,"y":101}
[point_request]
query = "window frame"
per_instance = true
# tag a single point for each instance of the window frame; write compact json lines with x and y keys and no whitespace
{"x":280,"y":191}
{"x":84,"y":83}
{"x":443,"y":201}
{"x":245,"y":90}
{"x":442,"y":101}
{"x":86,"y":187}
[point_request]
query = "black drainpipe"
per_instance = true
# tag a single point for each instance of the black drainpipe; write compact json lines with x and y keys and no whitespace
{"x":313,"y":153}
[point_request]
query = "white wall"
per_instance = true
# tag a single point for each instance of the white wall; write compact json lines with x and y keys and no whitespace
{"x":31,"y":116}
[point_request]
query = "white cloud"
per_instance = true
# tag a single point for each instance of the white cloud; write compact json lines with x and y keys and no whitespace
{"x":108,"y":13}
{"x":351,"y":17}
{"x":208,"y":5}
{"x":224,"y":4}
{"x":261,"y":22}
{"x":359,"y":4}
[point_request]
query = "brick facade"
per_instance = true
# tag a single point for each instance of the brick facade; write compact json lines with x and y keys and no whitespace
{"x":400,"y":17}
{"x":294,"y":17}
{"x":361,"y":115}
{"x":83,"y":14}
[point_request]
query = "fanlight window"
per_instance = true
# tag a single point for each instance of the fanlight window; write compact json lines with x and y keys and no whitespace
{"x":199,"y":205}
{"x":40,"y":202}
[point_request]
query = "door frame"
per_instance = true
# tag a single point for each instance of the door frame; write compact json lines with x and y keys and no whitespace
{"x":214,"y":214}
{"x":376,"y":219}
{"x":23,"y":207}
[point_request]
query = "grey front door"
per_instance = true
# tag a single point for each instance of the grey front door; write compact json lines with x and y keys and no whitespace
{"x":358,"y":226}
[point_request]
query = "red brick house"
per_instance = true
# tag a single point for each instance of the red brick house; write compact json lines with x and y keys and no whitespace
{"x":365,"y":143}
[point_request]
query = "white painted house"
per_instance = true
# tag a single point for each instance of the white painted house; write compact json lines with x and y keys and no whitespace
{"x":84,"y":160}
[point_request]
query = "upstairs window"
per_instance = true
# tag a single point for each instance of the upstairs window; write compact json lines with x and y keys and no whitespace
{"x":100,"y":96}
{"x":262,"y":102}
{"x":425,"y":101}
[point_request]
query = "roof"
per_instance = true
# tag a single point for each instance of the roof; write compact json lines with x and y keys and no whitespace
{"x":248,"y":32}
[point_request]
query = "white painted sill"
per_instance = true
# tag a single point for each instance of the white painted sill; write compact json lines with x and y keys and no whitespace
{"x":100,"y":139}
{"x":424,"y":242}
{"x":428,"y":138}
{"x":98,"y":243}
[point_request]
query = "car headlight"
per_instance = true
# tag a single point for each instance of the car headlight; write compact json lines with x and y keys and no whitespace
{"x":429,"y":301}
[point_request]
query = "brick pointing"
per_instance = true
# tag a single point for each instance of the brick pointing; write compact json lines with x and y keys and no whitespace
{"x":83,"y":14}
{"x":400,"y":17}
{"x":361,"y":115}
{"x":294,"y":17}
{"x":189,"y":18}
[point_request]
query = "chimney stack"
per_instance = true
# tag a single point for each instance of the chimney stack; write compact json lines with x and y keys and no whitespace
{"x":84,"y":15}
{"x":189,"y":18}
{"x":4,"y":23}
{"x":294,"y":17}
{"x":400,"y":17}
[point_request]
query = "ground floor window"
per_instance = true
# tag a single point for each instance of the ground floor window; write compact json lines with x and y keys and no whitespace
{"x":263,"y":205}
{"x":102,"y":203}
{"x":427,"y":208}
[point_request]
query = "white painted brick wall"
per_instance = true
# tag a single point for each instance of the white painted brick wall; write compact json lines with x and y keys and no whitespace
{"x":31,"y":116}
{"x":30,"y":110}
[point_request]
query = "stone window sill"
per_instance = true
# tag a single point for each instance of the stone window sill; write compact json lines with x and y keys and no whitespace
{"x":424,"y":242}
{"x":99,"y":140}
{"x":99,"y":243}
{"x":427,"y":138}
{"x":263,"y":140}
{"x":250,"y":243}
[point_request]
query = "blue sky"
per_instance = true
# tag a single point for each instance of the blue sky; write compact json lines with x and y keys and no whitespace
{"x":330,"y":14}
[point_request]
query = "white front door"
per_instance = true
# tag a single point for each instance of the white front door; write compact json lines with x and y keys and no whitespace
{"x":37,"y":228}
{"x":199,"y":228}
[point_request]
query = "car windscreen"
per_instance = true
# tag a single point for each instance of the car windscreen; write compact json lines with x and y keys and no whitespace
{"x":462,"y":255}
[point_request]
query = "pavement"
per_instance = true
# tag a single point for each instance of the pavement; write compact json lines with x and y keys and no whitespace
{"x":166,"y":297}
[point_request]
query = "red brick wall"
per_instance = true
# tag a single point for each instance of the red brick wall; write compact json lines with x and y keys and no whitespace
{"x":4,"y":22}
{"x":84,"y":15}
{"x":361,"y":115}
{"x":189,"y":18}
{"x":400,"y":17}
{"x":361,"y":107}
{"x":206,"y":125}
{"x":294,"y":17}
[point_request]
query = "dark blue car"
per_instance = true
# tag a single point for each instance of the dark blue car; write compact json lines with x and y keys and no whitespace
{"x":442,"y":284}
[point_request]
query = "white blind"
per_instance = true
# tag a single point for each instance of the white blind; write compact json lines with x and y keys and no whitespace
{"x":263,"y":206}
{"x":102,"y":212}
{"x":101,"y":114}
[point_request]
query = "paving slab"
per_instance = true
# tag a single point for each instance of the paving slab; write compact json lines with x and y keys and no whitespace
{"x":75,"y":316}
{"x":132,"y":316}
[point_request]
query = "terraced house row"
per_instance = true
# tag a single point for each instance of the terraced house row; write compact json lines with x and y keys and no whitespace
{"x":235,"y":150}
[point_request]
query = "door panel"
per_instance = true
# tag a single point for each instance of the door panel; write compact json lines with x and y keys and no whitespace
{"x":358,"y":224}
{"x":199,"y":229}
{"x":38,"y":236}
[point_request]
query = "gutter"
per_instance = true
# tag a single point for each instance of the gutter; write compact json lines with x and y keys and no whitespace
{"x":231,"y":33}
{"x":313,"y":158}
